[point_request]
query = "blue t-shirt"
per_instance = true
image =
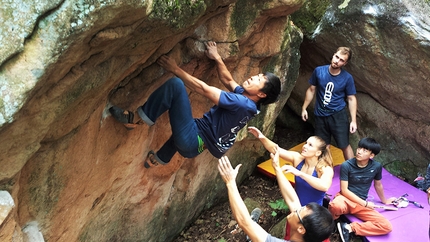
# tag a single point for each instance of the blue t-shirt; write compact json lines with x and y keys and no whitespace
{"x":219,"y":127}
{"x":306,"y":192}
{"x":360,"y":179}
{"x":331,"y":91}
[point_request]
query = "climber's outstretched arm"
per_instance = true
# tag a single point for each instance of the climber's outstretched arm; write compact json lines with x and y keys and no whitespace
{"x":190,"y":81}
{"x":223,"y":73}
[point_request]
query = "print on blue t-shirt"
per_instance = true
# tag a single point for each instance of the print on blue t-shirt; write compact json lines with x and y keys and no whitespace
{"x":331,"y":91}
{"x":219,"y":127}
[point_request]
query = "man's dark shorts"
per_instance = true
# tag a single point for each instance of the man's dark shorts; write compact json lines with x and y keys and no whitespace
{"x":336,"y":125}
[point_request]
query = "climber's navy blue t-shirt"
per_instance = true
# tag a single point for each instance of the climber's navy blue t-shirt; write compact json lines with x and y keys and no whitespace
{"x":219,"y":127}
{"x":331,"y":91}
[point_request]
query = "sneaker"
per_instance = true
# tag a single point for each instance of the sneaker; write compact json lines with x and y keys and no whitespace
{"x":255,"y":214}
{"x":150,"y":160}
{"x":123,"y":116}
{"x":343,"y":231}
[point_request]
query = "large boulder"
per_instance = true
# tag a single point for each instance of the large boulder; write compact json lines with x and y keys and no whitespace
{"x":391,"y":47}
{"x":77,"y":175}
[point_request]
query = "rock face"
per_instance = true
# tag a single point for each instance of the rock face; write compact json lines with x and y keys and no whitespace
{"x":391,"y":52}
{"x":75,"y":174}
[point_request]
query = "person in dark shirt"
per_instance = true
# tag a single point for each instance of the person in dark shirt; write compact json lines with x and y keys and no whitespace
{"x":356,"y":177}
{"x":218,"y":128}
{"x":332,"y":85}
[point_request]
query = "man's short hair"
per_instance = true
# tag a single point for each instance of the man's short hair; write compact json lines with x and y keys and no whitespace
{"x":370,"y":144}
{"x":319,"y":224}
{"x":345,"y":51}
{"x":272,"y":89}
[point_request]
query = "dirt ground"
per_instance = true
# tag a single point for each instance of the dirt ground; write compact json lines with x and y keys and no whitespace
{"x":217,"y":224}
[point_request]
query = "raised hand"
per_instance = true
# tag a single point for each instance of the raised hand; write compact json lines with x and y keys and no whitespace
{"x":275,"y":157}
{"x":256,"y":132}
{"x":290,"y":169}
{"x":227,"y":172}
{"x":211,"y":50}
{"x":167,"y":63}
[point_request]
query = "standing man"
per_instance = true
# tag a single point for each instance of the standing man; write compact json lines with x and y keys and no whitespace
{"x":356,"y":177}
{"x":309,"y":223}
{"x":332,"y":86}
{"x":218,"y":128}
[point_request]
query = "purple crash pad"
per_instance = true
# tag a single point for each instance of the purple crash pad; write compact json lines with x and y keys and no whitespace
{"x":410,"y":223}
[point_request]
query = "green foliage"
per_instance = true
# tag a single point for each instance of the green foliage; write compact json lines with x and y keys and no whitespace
{"x":243,"y":15}
{"x":222,"y":240}
{"x":309,"y":15}
{"x":278,"y":205}
{"x":178,"y":13}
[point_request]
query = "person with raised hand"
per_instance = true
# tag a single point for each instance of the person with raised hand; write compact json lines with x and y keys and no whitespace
{"x":310,"y":223}
{"x":312,"y":168}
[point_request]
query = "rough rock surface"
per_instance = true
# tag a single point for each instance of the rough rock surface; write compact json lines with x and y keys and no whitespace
{"x":74,"y":173}
{"x":391,"y":52}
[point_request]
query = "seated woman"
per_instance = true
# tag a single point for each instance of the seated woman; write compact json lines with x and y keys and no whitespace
{"x":312,"y":168}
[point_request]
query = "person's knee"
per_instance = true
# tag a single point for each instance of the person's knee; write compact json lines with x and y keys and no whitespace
{"x":186,"y":149}
{"x":175,"y":81}
{"x":331,"y":208}
{"x":337,"y":207}
{"x":389,"y":228}
{"x":176,"y":86}
{"x":188,"y":153}
{"x":335,"y":210}
{"x":385,"y":226}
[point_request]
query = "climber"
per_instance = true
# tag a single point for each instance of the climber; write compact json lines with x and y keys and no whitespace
{"x":218,"y":128}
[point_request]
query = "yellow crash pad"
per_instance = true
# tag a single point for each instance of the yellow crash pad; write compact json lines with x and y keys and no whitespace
{"x":267,"y":169}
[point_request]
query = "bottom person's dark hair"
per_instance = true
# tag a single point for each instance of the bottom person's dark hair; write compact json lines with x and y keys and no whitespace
{"x":319,"y":224}
{"x":370,"y":144}
{"x":272,"y":89}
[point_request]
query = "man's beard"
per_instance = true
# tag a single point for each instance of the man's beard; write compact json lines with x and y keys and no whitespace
{"x":334,"y":66}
